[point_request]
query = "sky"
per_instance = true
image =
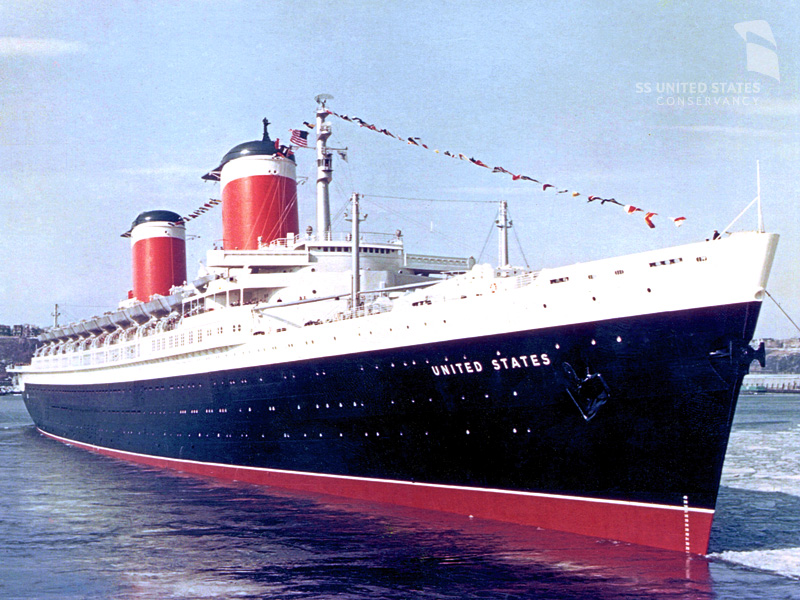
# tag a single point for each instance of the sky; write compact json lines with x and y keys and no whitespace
{"x":111,"y":108}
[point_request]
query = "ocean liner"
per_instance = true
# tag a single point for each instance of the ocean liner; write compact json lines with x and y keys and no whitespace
{"x":595,"y":398}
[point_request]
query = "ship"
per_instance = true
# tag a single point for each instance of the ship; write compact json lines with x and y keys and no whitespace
{"x":595,"y":398}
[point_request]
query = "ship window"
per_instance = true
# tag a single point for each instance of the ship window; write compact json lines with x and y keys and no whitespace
{"x":701,"y":259}
{"x":559,"y":280}
{"x":671,"y":261}
{"x":619,"y":272}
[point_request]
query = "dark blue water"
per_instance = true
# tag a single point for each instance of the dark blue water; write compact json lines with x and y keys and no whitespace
{"x":76,"y":525}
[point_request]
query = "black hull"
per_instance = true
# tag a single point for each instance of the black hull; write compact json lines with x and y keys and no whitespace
{"x":511,"y":412}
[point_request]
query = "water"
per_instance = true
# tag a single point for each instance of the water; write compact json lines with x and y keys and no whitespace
{"x":76,"y":525}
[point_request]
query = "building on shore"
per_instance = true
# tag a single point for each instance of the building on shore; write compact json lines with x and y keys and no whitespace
{"x":771,"y":382}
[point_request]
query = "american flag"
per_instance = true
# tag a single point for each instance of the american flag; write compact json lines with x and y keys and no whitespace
{"x":299,"y":138}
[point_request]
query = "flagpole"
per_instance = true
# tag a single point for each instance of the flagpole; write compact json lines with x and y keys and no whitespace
{"x":746,"y":208}
{"x":758,"y":195}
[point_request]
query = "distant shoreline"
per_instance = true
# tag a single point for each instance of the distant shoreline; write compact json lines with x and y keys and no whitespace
{"x":785,"y":383}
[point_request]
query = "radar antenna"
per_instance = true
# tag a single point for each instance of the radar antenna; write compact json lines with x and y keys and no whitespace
{"x":321,"y":99}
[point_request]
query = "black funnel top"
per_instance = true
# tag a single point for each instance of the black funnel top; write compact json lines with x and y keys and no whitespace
{"x":157,"y":215}
{"x":262,"y":147}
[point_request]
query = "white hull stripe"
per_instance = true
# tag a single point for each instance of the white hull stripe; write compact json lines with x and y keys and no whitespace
{"x":95,"y":448}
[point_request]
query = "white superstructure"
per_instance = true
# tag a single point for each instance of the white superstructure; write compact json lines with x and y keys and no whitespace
{"x":290,"y":301}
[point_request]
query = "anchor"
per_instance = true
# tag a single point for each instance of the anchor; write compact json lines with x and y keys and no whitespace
{"x":588,"y":394}
{"x":742,"y":354}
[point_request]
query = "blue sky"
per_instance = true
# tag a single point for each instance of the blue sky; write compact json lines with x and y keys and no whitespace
{"x":111,"y":108}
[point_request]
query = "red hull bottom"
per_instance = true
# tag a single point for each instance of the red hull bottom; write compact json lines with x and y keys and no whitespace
{"x":680,"y":528}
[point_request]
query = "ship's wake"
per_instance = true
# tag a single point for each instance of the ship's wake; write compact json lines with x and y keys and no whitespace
{"x":764,"y":461}
{"x":783,"y":561}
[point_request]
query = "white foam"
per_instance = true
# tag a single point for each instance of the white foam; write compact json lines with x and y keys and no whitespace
{"x":763,"y":461}
{"x":195,"y":585}
{"x":785,"y":561}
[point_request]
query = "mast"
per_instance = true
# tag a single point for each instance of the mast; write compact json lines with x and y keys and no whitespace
{"x":324,"y":169}
{"x":504,"y":225}
{"x":356,"y":218}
